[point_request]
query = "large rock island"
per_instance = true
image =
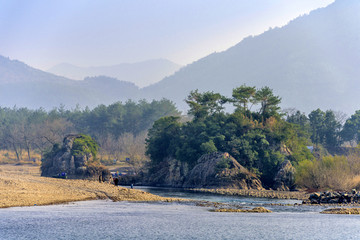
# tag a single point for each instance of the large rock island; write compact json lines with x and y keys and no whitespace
{"x":213,"y":170}
{"x":76,"y":158}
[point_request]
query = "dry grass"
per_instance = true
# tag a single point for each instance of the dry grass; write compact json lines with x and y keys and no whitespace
{"x":9,"y":157}
{"x":23,"y":186}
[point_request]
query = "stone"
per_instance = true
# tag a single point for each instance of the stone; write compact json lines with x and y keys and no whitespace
{"x":285,"y":178}
{"x":220,"y":170}
{"x":169,"y":173}
{"x":79,"y":167}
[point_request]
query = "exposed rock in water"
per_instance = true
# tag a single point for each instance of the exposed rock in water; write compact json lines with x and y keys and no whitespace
{"x":64,"y":162}
{"x":221,"y":170}
{"x":254,"y":210}
{"x":342,"y":211}
{"x":334,"y":197}
{"x":285,"y":177}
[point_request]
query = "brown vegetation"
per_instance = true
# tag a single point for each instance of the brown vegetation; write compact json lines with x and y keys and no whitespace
{"x":339,"y":173}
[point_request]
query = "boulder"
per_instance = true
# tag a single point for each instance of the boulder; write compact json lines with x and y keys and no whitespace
{"x":285,"y":178}
{"x":329,"y":197}
{"x":220,"y":170}
{"x":62,"y":161}
{"x":170,"y":173}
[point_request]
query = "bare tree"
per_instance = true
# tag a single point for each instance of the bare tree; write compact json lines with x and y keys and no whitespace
{"x":134,"y":148}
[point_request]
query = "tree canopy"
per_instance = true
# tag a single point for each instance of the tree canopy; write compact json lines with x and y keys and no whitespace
{"x":255,"y":138}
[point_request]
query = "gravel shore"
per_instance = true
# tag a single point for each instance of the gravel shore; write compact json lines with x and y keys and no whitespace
{"x":23,"y":186}
{"x":299,"y":195}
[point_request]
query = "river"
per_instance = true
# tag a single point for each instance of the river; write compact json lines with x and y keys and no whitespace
{"x":103,"y":219}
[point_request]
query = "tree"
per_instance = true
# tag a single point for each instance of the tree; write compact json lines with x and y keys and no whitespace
{"x":316,"y":118}
{"x":269,"y":102}
{"x":134,"y":148}
{"x":204,"y":104}
{"x":162,"y":138}
{"x":242,"y":96}
{"x":351,"y":130}
{"x":331,"y":130}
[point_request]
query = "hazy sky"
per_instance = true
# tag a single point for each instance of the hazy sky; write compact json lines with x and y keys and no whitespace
{"x":43,"y":33}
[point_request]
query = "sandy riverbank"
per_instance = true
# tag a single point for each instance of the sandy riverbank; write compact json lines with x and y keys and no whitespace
{"x":23,"y":186}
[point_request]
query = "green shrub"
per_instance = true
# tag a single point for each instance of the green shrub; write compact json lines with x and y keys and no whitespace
{"x":84,"y":145}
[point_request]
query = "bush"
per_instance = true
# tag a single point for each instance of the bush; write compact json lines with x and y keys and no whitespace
{"x":330,"y":173}
{"x":84,"y":145}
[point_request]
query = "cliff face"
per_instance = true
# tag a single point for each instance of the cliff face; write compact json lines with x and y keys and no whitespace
{"x":171,"y":173}
{"x":220,"y":170}
{"x":285,"y":177}
{"x":62,"y":161}
{"x":215,"y":170}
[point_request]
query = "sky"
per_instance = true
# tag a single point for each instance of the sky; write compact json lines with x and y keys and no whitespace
{"x":85,"y":33}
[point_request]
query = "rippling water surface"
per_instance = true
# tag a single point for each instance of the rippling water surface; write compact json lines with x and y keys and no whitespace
{"x":123,"y":220}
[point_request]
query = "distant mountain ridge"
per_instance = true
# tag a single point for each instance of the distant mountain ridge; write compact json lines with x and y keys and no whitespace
{"x":141,"y":73}
{"x":24,"y":86}
{"x":311,"y":62}
{"x":14,"y":71}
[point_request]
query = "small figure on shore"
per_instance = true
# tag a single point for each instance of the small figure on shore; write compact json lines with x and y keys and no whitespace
{"x":132,"y":186}
{"x":116,"y":181}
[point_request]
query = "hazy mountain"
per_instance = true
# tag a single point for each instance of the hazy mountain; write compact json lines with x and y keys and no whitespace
{"x":313,"y":62}
{"x":13,"y":71}
{"x":141,"y":73}
{"x":24,"y":86}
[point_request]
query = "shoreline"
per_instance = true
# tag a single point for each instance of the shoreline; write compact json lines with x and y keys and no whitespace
{"x":295,"y":195}
{"x":22,"y":186}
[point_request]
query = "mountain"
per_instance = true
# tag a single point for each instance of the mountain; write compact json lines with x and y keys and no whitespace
{"x":312,"y":62}
{"x":14,"y":71}
{"x":141,"y":73}
{"x":24,"y":86}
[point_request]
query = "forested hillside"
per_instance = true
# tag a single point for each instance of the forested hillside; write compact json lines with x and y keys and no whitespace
{"x":260,"y":138}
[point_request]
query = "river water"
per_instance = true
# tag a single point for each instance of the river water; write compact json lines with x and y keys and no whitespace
{"x":102,"y":219}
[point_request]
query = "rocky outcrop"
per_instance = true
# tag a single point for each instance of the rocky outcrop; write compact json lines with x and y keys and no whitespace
{"x":170,"y":173}
{"x":215,"y":170}
{"x":62,"y":161}
{"x":350,"y":211}
{"x":285,"y":177}
{"x":219,"y":170}
{"x":334,"y":197}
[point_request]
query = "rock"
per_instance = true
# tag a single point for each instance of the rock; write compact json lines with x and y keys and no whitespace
{"x":254,"y":210}
{"x":329,"y":197}
{"x":170,"y":173}
{"x":315,"y":198}
{"x":62,"y":161}
{"x":217,"y":169}
{"x":341,"y":211}
{"x":285,"y":178}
